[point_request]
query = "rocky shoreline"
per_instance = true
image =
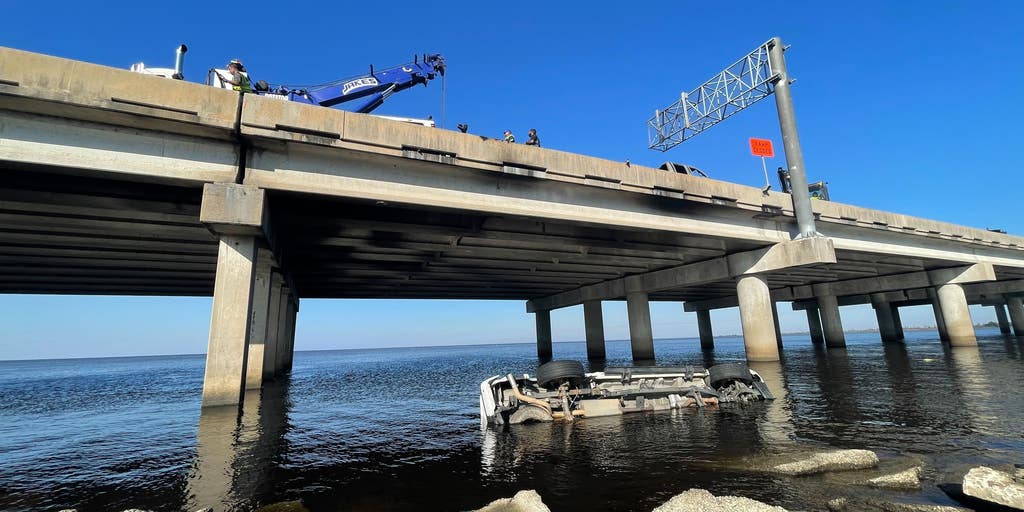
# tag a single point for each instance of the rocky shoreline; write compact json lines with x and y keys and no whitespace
{"x":982,"y":488}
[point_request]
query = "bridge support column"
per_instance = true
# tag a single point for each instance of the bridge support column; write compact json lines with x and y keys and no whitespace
{"x":898,"y":322}
{"x":755,"y":303}
{"x":641,"y":335}
{"x":707,"y":334}
{"x":886,"y":323}
{"x":237,"y":214}
{"x":814,"y":326}
{"x":593,"y":321}
{"x":1004,"y":322}
{"x":940,"y":322}
{"x":831,"y":321}
{"x":543,"y":319}
{"x":260,"y":320}
{"x":285,"y":342}
{"x":273,"y":327}
{"x":224,"y":380}
{"x":283,"y":312}
{"x":291,"y":334}
{"x":957,"y":315}
{"x":1016,"y":307}
{"x":778,"y":329}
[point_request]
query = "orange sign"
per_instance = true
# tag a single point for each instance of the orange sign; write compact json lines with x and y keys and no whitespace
{"x":762,"y":147}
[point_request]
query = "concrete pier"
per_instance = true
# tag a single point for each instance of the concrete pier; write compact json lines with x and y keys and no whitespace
{"x":814,"y":325}
{"x":641,"y":335}
{"x":224,"y":381}
{"x":778,"y":328}
{"x":1002,"y":319}
{"x":543,"y":319}
{"x":284,"y":313}
{"x":593,"y":320}
{"x":273,"y":344}
{"x":898,"y":322}
{"x":707,"y":334}
{"x":940,"y":321}
{"x":756,"y":318}
{"x":292,"y":320}
{"x":884,"y":314}
{"x":260,"y":320}
{"x":1015,"y":306}
{"x":831,"y":321}
{"x":957,"y":315}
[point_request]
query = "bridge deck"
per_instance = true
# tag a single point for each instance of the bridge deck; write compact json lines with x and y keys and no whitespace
{"x":103,"y":171}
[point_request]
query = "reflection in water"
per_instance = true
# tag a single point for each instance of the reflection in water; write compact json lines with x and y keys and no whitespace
{"x":838,"y":388}
{"x":904,"y":398}
{"x":777,"y":424}
{"x":708,"y":357}
{"x":973,"y":384}
{"x":209,"y":485}
{"x":235,"y":451}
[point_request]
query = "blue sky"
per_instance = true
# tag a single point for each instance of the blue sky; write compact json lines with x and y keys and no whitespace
{"x":902,"y":106}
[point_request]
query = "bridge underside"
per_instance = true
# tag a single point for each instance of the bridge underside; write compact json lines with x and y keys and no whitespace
{"x":74,"y":234}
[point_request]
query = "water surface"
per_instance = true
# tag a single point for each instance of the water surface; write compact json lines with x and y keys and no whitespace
{"x":399,"y":429}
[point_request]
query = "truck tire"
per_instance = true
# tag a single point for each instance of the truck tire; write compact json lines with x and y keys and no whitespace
{"x":557,"y":371}
{"x":528,"y":414}
{"x":724,"y":373}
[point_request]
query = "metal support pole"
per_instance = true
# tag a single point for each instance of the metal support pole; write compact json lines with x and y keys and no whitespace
{"x":791,"y":141}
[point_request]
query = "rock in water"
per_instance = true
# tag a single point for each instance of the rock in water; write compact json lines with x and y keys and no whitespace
{"x":994,"y":486}
{"x":838,"y":505}
{"x":284,"y":506}
{"x":523,"y":501}
{"x":904,"y":480}
{"x":839,"y":460}
{"x":700,"y":500}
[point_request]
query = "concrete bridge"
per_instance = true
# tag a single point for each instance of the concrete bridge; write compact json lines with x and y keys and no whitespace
{"x":121,"y":183}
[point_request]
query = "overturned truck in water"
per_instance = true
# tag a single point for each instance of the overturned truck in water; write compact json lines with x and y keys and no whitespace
{"x":561,"y":391}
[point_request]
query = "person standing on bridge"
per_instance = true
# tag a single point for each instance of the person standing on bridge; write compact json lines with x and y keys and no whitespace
{"x":509,"y":137}
{"x":532,"y":139}
{"x":237,"y":77}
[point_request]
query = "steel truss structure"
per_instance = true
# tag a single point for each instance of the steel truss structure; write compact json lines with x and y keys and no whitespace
{"x":745,"y":82}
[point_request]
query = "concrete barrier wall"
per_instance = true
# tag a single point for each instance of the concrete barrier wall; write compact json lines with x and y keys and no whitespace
{"x":91,"y":92}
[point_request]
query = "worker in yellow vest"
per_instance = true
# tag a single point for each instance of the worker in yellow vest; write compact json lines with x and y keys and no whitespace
{"x":238,"y":78}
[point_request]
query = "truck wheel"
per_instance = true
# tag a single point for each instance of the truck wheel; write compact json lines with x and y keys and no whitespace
{"x":527,"y":414}
{"x":557,"y":371}
{"x":725,"y":373}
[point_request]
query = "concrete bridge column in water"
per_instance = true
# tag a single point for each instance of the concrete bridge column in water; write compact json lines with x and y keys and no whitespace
{"x":886,"y":321}
{"x":641,"y":335}
{"x":756,"y":317}
{"x":251,"y":305}
{"x":543,"y":319}
{"x":1004,"y":322}
{"x":593,"y":320}
{"x":1016,"y":307}
{"x":831,"y":322}
{"x":814,"y":325}
{"x":707,"y":334}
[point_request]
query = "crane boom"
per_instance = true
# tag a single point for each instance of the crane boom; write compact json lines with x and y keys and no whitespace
{"x":375,"y":87}
{"x":372,"y":88}
{"x":743,"y":83}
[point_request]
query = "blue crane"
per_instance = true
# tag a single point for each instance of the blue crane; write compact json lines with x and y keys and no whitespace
{"x":372,"y":88}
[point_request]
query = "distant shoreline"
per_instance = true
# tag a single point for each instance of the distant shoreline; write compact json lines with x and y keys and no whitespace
{"x":718,"y":336}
